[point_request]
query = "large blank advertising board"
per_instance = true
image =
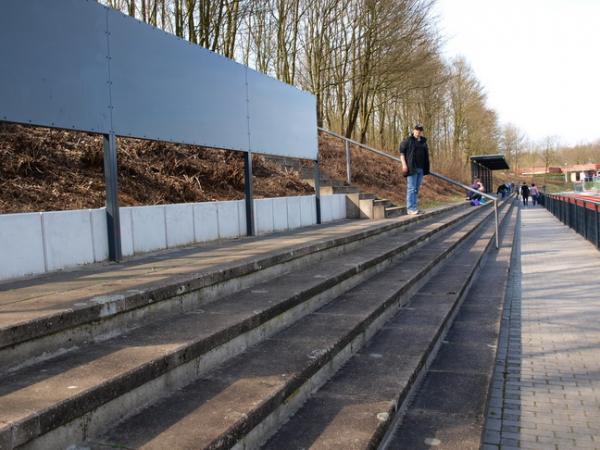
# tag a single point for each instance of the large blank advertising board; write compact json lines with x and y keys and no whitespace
{"x":76,"y":64}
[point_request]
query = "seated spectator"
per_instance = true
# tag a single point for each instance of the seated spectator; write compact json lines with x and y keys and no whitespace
{"x":473,"y":196}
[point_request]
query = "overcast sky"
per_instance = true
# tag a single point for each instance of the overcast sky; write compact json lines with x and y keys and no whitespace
{"x":539,"y":61}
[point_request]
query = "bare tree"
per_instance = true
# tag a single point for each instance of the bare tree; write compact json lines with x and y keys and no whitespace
{"x":374,"y":66}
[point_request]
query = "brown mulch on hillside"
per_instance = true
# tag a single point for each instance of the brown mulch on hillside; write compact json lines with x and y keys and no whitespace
{"x":379,"y":175}
{"x":43,"y":169}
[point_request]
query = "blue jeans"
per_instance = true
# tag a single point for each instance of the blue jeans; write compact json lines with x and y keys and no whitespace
{"x":413,"y":183}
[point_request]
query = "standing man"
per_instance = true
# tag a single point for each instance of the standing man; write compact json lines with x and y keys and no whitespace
{"x":414,"y":154}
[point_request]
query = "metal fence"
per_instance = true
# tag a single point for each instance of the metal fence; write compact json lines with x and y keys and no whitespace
{"x":581,"y":215}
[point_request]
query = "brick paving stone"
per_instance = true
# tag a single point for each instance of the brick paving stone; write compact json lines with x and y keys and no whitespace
{"x":546,"y":386}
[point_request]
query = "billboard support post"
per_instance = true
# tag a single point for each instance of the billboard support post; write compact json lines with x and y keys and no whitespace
{"x":249,"y":193}
{"x":317,"y":175}
{"x":113,"y":223}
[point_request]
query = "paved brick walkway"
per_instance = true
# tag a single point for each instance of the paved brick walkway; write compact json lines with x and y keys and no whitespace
{"x":546,"y":389}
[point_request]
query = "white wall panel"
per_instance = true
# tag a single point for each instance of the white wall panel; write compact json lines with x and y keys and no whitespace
{"x":206,"y":221}
{"x":242,"y":217}
{"x":263,"y":215}
{"x":68,"y":238}
{"x":22,"y":245}
{"x":99,"y":234}
{"x":294,"y":213}
{"x":126,"y":231}
{"x":326,"y":208}
{"x":180,"y":224}
{"x":307,"y":210}
{"x":339,"y":206}
{"x":280,"y":217}
{"x":149,"y":232}
{"x":229,"y":222}
{"x":80,"y":237}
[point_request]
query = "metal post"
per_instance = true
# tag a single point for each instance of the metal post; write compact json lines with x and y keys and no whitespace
{"x":585,"y":220}
{"x":496,"y":214}
{"x":348,"y":163}
{"x":597,"y":227}
{"x":249,"y":193}
{"x":112,"y":198}
{"x":317,"y":175}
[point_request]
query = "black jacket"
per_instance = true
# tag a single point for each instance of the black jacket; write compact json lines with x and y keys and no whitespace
{"x":407,"y":147}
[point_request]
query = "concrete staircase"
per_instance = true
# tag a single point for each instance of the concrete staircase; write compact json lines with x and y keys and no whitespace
{"x":359,"y":205}
{"x":314,"y":341}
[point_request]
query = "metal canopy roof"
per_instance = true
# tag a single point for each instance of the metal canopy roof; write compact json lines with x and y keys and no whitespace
{"x":492,"y":162}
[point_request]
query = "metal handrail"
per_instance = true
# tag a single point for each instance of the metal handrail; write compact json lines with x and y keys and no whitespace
{"x":395,"y":158}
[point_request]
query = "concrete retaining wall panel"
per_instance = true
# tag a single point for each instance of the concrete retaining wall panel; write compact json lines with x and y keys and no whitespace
{"x":340,"y":206}
{"x":99,"y":234}
{"x":242,"y":217}
{"x":71,"y":238}
{"x":126,"y":231}
{"x":180,"y":224}
{"x":229,"y":222}
{"x":68,"y":238}
{"x":294,"y":215}
{"x":263,"y":215}
{"x":149,"y":230}
{"x":206,"y":221}
{"x":327,"y":206}
{"x":307,"y":210}
{"x":22,"y":245}
{"x":280,"y":215}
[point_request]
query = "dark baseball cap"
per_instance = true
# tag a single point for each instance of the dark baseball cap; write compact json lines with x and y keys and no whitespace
{"x":418,"y":126}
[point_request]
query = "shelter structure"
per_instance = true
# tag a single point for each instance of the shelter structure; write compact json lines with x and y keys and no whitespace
{"x":482,"y":167}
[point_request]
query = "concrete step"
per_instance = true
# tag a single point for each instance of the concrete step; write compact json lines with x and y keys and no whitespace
{"x":50,"y":315}
{"x":328,"y":190}
{"x":246,"y":399}
{"x":63,"y":400}
{"x":395,"y":211}
{"x":382,"y":201}
{"x":451,"y":403}
{"x":356,"y":407}
{"x":374,"y":208}
{"x":370,"y":208}
{"x":307,"y":176}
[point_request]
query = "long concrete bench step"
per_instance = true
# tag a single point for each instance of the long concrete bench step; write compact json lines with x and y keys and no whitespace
{"x":39,"y":318}
{"x":395,"y":211}
{"x":102,"y":381}
{"x":356,"y":407}
{"x":450,"y":405}
{"x":248,"y":397}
